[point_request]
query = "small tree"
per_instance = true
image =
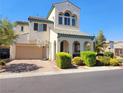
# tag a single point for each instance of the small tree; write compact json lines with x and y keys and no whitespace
{"x":100,"y":41}
{"x":7,"y":35}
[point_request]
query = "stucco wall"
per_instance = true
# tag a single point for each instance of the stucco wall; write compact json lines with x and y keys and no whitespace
{"x":18,"y":29}
{"x":52,"y":15}
{"x":62,"y":7}
{"x":41,"y":36}
{"x":53,"y":38}
{"x":23,"y":38}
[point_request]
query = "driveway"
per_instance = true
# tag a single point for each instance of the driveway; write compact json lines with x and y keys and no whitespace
{"x":91,"y":82}
{"x":44,"y":66}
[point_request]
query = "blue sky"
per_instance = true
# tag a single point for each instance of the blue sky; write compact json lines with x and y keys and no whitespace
{"x":96,"y":15}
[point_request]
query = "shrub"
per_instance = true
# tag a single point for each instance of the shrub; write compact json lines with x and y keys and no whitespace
{"x":109,"y":54}
{"x":63,"y":60}
{"x":2,"y":63}
{"x":114,"y":62}
{"x":120,"y":59}
{"x":103,"y":60}
{"x":77,"y":61}
{"x":88,"y":57}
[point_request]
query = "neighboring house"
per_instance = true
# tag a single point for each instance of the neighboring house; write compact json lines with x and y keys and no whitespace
{"x":116,"y":47}
{"x":42,"y":38}
{"x":4,"y":52}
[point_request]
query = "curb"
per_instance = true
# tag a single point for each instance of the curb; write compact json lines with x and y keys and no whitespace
{"x":69,"y":71}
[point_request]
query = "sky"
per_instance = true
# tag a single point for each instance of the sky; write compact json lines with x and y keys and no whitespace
{"x":96,"y":15}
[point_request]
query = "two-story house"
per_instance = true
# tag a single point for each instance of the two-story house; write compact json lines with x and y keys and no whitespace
{"x":42,"y":38}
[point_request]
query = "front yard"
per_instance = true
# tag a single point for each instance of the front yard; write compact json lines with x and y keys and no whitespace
{"x":28,"y":68}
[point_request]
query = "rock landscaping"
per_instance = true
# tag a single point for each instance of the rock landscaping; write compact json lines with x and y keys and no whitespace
{"x":22,"y":67}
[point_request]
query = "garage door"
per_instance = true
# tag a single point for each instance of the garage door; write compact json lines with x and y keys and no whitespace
{"x":28,"y":52}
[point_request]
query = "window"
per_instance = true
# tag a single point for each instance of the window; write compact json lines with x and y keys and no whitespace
{"x":22,"y":28}
{"x":44,"y":27}
{"x":60,"y":20}
{"x":40,"y":27}
{"x":66,"y":14}
{"x":73,"y":21}
{"x":67,"y":21}
{"x":35,"y":26}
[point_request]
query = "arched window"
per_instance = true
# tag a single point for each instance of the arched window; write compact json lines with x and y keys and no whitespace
{"x":76,"y":47}
{"x":66,"y":14}
{"x":64,"y":46}
{"x":73,"y":20}
{"x":67,"y":18}
{"x":87,"y":46}
{"x":60,"y":19}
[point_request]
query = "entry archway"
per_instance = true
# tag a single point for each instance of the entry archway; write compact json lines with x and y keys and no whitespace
{"x":76,"y":47}
{"x":64,"y":46}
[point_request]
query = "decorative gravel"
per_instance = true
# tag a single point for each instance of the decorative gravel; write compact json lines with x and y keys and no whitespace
{"x":17,"y":68}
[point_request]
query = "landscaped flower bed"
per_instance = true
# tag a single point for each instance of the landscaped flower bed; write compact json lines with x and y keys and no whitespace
{"x":87,"y":58}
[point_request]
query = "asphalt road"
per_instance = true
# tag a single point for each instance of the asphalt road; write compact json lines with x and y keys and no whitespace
{"x":89,"y":82}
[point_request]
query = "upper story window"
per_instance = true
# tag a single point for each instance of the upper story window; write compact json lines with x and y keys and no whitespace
{"x":73,"y":21}
{"x":40,"y":27}
{"x":60,"y":19}
{"x":66,"y":14}
{"x":22,"y":28}
{"x":44,"y":27}
{"x":67,"y":19}
{"x":35,"y":26}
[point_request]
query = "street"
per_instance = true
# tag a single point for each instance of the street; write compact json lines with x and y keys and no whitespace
{"x":88,"y":82}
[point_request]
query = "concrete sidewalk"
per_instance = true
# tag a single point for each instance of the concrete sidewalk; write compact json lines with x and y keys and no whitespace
{"x":56,"y":72}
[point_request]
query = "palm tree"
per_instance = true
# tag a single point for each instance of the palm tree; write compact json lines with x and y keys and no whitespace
{"x":7,"y":35}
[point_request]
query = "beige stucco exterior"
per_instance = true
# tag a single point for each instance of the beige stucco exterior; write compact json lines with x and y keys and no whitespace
{"x":45,"y":44}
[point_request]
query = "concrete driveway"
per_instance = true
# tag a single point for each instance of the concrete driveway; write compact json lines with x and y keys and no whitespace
{"x":44,"y":66}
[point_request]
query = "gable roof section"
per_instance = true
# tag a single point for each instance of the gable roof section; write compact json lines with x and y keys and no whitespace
{"x":39,"y":19}
{"x":51,"y":9}
{"x":74,"y":34}
{"x":53,"y":6}
{"x":64,"y":2}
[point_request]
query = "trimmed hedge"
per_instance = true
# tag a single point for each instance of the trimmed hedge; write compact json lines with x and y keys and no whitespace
{"x":77,"y":61}
{"x":109,"y":54}
{"x":89,"y":57}
{"x":63,"y":60}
